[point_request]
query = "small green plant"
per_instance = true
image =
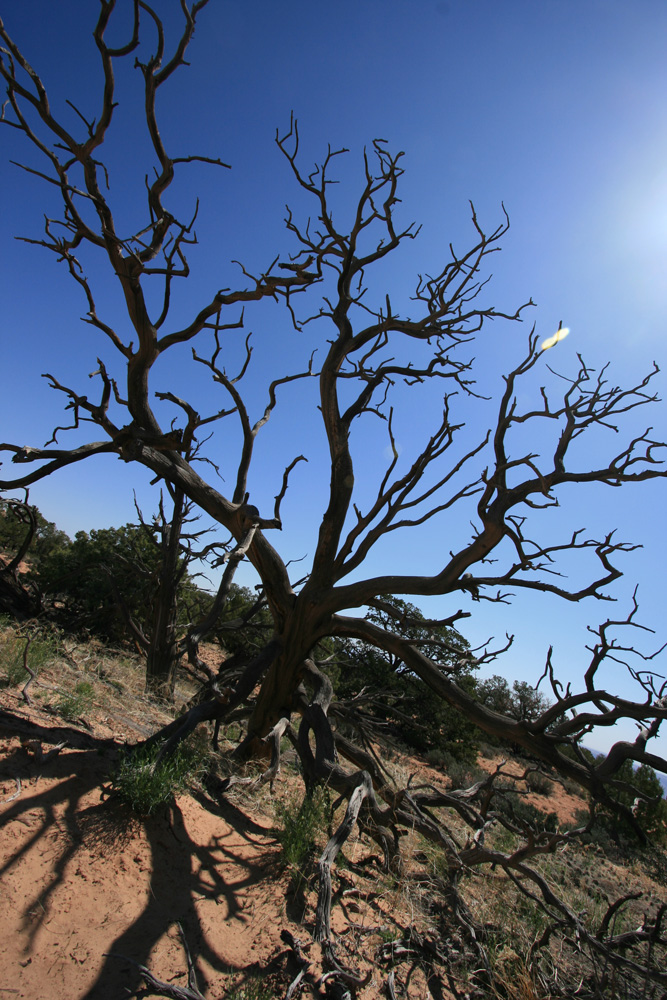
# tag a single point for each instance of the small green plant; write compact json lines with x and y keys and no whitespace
{"x":144,"y":784}
{"x":539,"y":783}
{"x":300,"y":825}
{"x":76,"y":703}
{"x":254,"y":989}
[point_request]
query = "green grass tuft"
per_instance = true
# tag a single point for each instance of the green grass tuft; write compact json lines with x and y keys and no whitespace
{"x":300,"y":826}
{"x":145,"y":786}
{"x":43,"y":649}
{"x":76,"y":703}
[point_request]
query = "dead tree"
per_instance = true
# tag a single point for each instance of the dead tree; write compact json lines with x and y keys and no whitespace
{"x":158,"y":639}
{"x":165,"y":642}
{"x":371,"y":355}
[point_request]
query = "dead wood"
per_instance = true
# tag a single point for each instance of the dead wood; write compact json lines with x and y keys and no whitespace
{"x":159,"y":988}
{"x":10,"y":798}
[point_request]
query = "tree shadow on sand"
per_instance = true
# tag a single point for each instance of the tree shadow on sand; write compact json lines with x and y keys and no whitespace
{"x":183,"y":872}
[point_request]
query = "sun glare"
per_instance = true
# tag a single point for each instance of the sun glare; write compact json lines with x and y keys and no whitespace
{"x":560,"y":334}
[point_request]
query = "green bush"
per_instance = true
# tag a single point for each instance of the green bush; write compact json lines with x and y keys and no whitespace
{"x":145,"y":786}
{"x":300,"y":825}
{"x":463,"y":775}
{"x":539,"y":783}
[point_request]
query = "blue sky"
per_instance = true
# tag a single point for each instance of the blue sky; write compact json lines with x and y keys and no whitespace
{"x":556,"y":108}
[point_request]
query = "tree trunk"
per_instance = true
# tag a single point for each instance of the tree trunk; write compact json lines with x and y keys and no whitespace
{"x":163,"y":653}
{"x":277,"y":693}
{"x":274,"y":699}
{"x":15,"y":600}
{"x":162,"y":659}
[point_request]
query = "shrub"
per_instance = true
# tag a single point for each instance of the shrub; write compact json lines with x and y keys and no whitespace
{"x":438,"y":758}
{"x":463,"y":775}
{"x":145,"y":786}
{"x":300,"y":825}
{"x":539,"y":783}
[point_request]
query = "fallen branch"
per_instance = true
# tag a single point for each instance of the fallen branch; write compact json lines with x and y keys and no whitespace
{"x":16,"y":793}
{"x":189,"y":992}
{"x":33,"y":675}
{"x":323,"y":913}
{"x":295,"y":945}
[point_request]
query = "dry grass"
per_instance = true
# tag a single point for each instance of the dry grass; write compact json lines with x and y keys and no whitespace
{"x":84,"y":680}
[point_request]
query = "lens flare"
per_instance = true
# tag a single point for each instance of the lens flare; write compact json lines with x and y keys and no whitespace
{"x":560,"y":334}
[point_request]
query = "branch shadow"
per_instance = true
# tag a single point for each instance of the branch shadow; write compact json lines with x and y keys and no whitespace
{"x":76,"y":778}
{"x":182,"y":871}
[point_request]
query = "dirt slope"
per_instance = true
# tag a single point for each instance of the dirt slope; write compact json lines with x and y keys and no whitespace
{"x":82,"y":882}
{"x":85,"y":890}
{"x":79,"y":881}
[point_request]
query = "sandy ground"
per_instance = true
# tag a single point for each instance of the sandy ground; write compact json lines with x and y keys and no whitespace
{"x":86,"y":891}
{"x":80,"y":882}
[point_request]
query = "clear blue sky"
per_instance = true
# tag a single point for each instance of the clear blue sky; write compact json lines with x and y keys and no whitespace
{"x":557,"y":108}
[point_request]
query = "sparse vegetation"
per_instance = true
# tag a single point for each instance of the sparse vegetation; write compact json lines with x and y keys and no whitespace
{"x":41,"y":640}
{"x":404,"y":903}
{"x":252,"y":989}
{"x":145,"y":783}
{"x":303,"y":824}
{"x":77,"y":703}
